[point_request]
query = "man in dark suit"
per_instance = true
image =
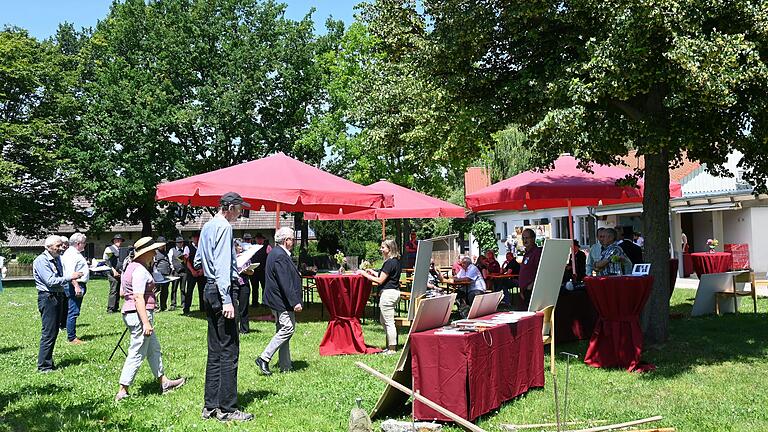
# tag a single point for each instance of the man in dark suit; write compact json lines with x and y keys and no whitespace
{"x":631,"y":250}
{"x":282,"y":294}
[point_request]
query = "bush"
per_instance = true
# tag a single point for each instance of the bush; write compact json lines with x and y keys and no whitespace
{"x":25,"y":258}
{"x":372,"y":251}
{"x":484,"y":232}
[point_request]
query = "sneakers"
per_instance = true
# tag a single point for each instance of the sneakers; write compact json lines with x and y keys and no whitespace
{"x":210,"y":413}
{"x":173,"y":384}
{"x":121,"y":395}
{"x":387,"y":351}
{"x":235,"y":415}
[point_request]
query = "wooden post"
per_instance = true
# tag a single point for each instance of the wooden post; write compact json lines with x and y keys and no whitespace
{"x":277,"y":217}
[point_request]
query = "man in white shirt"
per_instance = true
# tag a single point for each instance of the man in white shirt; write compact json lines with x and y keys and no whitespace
{"x":470,"y":273}
{"x":176,"y":256}
{"x":73,"y":261}
{"x":595,"y":251}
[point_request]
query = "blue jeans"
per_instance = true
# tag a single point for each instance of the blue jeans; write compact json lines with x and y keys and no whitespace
{"x":73,"y":310}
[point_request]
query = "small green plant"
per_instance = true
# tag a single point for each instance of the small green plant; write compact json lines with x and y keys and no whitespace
{"x":483,"y":231}
{"x":25,"y":258}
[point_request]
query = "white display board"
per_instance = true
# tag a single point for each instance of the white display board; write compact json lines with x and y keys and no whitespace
{"x":420,"y":274}
{"x":549,"y":276}
{"x":485,"y":304}
{"x":704,"y":304}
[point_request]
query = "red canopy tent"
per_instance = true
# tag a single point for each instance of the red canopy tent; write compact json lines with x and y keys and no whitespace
{"x":277,"y":183}
{"x":408,"y":204}
{"x":565,"y":185}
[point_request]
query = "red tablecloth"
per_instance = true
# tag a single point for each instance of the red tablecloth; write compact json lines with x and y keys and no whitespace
{"x":575,"y":316}
{"x":617,"y":340}
{"x":345,"y":297}
{"x":706,"y":263}
{"x":474,"y":373}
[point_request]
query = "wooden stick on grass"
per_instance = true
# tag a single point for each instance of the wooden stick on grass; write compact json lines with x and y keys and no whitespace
{"x":464,"y":423}
{"x":619,"y":425}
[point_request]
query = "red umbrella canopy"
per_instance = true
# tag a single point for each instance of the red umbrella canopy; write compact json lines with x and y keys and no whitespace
{"x":554,"y":188}
{"x":272,"y":181}
{"x":408,"y":204}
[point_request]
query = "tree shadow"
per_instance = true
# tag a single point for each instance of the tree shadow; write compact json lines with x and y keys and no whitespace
{"x":13,"y":396}
{"x":9,"y":349}
{"x":69,"y":361}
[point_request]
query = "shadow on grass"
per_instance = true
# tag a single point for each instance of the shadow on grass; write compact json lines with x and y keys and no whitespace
{"x":245,"y":398}
{"x":69,"y":361}
{"x":9,"y":349}
{"x":299,"y":365}
{"x":709,"y":340}
{"x":28,"y":391}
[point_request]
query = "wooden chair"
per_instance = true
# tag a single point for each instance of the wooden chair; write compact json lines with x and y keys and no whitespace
{"x":548,"y":333}
{"x":745,"y":277}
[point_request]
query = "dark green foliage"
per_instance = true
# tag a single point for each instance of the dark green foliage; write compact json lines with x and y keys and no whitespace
{"x":484,"y":232}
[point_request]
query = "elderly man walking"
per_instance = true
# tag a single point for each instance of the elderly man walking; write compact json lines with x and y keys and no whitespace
{"x":73,"y":261}
{"x":282,"y":294}
{"x":112,"y":257}
{"x":216,"y":255}
{"x":50,"y":282}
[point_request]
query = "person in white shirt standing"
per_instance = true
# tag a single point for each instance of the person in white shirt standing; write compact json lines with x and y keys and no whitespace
{"x":73,"y":261}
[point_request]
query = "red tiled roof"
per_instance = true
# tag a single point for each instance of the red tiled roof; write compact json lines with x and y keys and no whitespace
{"x":632,"y":160}
{"x":475,"y":179}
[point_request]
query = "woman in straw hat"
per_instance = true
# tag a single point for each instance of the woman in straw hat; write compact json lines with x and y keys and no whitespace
{"x":138,"y":289}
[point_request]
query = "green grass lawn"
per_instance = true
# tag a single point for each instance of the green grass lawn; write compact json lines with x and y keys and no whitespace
{"x":711,"y":376}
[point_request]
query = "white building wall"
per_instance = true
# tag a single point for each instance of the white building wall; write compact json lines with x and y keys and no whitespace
{"x":758,"y":247}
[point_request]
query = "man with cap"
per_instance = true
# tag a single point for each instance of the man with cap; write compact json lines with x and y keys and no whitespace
{"x":137,"y":287}
{"x":246,"y":243}
{"x":112,"y":256}
{"x":162,"y":266}
{"x":176,"y":256}
{"x":216,"y":255}
{"x":50,"y":282}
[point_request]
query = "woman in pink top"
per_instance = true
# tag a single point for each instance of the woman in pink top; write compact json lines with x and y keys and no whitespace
{"x":137,"y":287}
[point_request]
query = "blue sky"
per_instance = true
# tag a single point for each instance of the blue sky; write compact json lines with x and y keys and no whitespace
{"x":42,"y":17}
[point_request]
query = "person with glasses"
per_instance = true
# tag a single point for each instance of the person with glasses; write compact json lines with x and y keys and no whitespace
{"x":529,"y":266}
{"x":216,"y":256}
{"x":282,"y":294}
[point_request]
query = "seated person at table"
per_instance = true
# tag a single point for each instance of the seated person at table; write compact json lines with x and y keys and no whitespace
{"x":482,"y":265}
{"x":434,"y":277}
{"x":388,"y":279}
{"x":491,"y":263}
{"x":510,"y":267}
{"x":612,"y":260}
{"x":595,"y":251}
{"x":456,"y":266}
{"x":529,"y":266}
{"x":470,"y":273}
{"x":576,"y":281}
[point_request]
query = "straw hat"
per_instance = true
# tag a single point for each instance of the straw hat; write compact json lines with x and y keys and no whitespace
{"x":144,"y":245}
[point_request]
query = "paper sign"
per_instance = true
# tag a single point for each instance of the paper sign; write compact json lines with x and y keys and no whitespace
{"x":247,"y":255}
{"x":641,"y":269}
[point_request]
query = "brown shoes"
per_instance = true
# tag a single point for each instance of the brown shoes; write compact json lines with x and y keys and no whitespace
{"x":76,"y":341}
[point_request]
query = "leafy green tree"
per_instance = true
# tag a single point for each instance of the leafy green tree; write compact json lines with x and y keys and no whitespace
{"x":484,"y":232}
{"x":179,"y":87}
{"x":37,"y":120}
{"x":508,"y":155}
{"x":597,"y":78}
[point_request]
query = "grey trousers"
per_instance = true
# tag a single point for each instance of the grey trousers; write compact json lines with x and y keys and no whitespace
{"x":141,"y":347}
{"x":285,"y":324}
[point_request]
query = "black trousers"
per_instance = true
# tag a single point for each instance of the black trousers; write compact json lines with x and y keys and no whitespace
{"x":242,"y":305}
{"x":163,"y":288}
{"x":113,"y":302}
{"x":191,"y":282}
{"x":223,"y":353}
{"x":181,"y":286}
{"x":257,"y":278}
{"x":50,"y":306}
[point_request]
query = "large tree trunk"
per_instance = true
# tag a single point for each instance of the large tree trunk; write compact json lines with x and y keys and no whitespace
{"x":655,"y":318}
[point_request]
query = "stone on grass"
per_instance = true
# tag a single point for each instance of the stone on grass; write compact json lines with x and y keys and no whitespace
{"x":401,"y":426}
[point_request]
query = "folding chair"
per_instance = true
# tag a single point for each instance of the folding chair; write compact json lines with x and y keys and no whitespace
{"x":548,"y":333}
{"x":745,"y":277}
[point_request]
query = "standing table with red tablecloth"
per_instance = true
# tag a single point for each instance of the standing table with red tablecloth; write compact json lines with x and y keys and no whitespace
{"x":474,"y":373}
{"x":617,"y":340}
{"x":706,"y":263}
{"x":345,"y":297}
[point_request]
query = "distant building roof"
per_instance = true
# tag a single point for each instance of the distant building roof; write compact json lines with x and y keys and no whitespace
{"x":632,"y":160}
{"x":475,"y":179}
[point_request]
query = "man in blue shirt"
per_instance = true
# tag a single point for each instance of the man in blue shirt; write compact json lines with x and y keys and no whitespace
{"x":50,"y":283}
{"x":216,"y":256}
